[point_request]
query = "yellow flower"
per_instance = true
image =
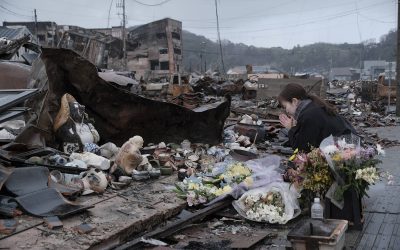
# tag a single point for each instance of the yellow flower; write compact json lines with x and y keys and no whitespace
{"x":221,"y":177}
{"x":227,"y":189}
{"x":336,"y":157}
{"x":193,"y":186}
{"x":294,"y":155}
{"x":317,"y":177}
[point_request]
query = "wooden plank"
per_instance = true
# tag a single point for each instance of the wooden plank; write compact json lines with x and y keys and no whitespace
{"x":367,"y":240}
{"x":173,"y":227}
{"x":382,"y":242}
{"x":387,"y":229}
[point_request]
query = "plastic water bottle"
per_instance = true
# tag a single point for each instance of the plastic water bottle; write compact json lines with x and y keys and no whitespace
{"x":317,"y":211}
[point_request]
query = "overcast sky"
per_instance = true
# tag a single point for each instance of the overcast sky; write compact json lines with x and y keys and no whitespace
{"x":262,"y":23}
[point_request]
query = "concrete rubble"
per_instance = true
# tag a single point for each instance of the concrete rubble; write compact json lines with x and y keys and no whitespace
{"x":93,"y":158}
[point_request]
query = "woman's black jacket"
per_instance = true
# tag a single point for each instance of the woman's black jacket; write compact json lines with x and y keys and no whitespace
{"x":314,"y":124}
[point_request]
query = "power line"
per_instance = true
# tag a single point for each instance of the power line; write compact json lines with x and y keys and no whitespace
{"x":17,"y":7}
{"x":152,"y":5}
{"x":14,"y":13}
{"x":335,"y":16}
{"x":374,"y":19}
{"x":219,"y":38}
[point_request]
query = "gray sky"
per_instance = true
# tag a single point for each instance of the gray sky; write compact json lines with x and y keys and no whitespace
{"x":262,"y":23}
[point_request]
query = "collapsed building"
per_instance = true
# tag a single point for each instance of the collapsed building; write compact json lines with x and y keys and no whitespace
{"x":157,"y":49}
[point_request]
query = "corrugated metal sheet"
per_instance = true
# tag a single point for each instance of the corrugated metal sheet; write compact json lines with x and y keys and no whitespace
{"x":13,"y":33}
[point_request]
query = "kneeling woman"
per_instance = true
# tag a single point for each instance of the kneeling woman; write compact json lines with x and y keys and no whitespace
{"x":309,"y":118}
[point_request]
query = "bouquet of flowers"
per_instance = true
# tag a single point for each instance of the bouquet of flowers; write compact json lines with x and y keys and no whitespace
{"x":203,"y":188}
{"x":354,"y":166}
{"x":311,"y":172}
{"x":274,"y":203}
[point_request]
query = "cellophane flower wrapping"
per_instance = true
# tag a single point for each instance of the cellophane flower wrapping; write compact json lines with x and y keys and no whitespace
{"x":274,"y":203}
{"x":229,"y":178}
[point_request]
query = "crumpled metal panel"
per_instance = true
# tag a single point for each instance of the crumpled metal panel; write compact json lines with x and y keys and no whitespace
{"x":119,"y":114}
{"x":26,"y":180}
{"x":48,"y":202}
{"x":30,"y":185}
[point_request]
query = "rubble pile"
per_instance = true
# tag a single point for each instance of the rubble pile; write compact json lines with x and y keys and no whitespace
{"x":360,"y":103}
{"x":212,"y":86}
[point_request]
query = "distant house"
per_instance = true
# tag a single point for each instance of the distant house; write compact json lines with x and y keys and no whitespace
{"x":340,"y":74}
{"x":373,"y":68}
{"x":253,"y":72}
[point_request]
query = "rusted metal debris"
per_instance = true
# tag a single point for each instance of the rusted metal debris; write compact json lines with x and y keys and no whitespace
{"x":119,"y":115}
{"x":30,"y":185}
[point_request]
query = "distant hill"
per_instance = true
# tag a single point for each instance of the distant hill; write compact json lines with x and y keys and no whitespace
{"x":318,"y":57}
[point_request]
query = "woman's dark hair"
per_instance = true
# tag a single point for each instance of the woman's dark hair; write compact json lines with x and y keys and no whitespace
{"x":294,"y":90}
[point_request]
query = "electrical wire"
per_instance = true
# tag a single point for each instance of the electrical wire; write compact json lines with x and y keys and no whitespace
{"x":152,"y":5}
{"x":374,"y":19}
{"x":14,"y":13}
{"x":109,"y":11}
{"x":335,"y":16}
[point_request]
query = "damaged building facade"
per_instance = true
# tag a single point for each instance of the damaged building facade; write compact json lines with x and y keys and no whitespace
{"x":47,"y":32}
{"x":97,"y":47}
{"x":157,"y":49}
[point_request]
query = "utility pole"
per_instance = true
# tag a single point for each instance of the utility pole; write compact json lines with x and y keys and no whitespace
{"x":36,"y":29}
{"x":361,"y":48}
{"x":398,"y":62}
{"x":122,"y":5}
{"x":124,"y":33}
{"x":390,"y":86}
{"x":201,"y":57}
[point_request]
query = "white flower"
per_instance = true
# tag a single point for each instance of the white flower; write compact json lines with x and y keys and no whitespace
{"x":260,"y":211}
{"x":380,"y":150}
{"x":369,"y":174}
{"x":330,"y":149}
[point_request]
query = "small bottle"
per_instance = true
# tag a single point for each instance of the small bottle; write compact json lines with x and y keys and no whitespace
{"x":317,"y":211}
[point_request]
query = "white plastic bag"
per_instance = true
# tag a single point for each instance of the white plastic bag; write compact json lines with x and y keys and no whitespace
{"x":264,"y":171}
{"x":289,"y":197}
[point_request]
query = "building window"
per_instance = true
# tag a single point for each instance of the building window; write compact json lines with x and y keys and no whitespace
{"x":164,"y":65}
{"x":176,"y":35}
{"x":154,"y":65}
{"x":177,"y":51}
{"x":161,"y":35}
{"x":41,"y":37}
{"x":163,"y":51}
